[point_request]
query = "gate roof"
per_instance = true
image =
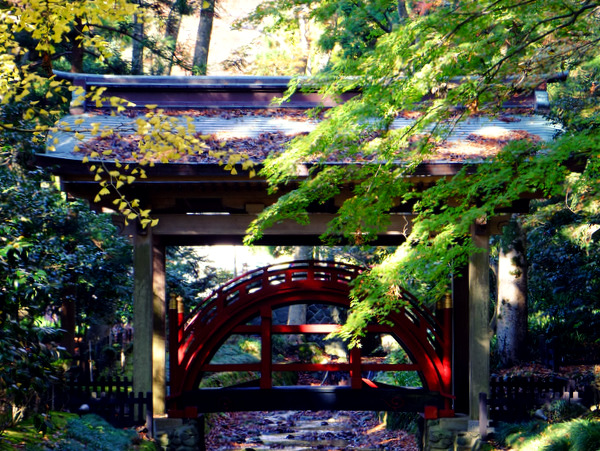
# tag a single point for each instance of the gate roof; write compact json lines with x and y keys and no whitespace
{"x":239,"y":112}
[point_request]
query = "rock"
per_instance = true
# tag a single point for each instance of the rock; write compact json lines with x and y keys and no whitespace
{"x":184,"y":438}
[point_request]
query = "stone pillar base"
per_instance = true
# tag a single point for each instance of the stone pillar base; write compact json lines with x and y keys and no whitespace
{"x":177,"y":434}
{"x":452,"y":434}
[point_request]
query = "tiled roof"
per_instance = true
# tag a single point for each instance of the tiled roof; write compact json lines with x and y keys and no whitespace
{"x":471,"y":139}
{"x":253,"y":125}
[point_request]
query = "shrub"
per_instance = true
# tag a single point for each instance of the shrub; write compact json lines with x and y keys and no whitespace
{"x":91,"y":432}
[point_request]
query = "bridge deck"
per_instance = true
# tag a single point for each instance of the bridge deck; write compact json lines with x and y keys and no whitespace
{"x":233,"y":399}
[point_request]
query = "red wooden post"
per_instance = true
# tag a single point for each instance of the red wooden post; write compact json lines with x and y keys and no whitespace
{"x":355,"y":373}
{"x":180,"y":315}
{"x":175,"y":336}
{"x":266,"y":358}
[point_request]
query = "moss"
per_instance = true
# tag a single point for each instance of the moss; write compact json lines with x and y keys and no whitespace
{"x":91,"y":432}
{"x":69,"y":432}
{"x":28,"y":432}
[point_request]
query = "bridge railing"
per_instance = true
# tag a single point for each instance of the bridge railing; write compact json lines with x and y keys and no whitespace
{"x":270,"y":276}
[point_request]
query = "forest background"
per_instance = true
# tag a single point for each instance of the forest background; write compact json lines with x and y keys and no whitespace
{"x":56,"y":254}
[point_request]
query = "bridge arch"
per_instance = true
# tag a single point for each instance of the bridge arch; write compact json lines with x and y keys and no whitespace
{"x":194,"y":340}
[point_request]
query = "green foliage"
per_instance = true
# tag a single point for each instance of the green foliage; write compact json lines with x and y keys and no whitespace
{"x":457,"y":60}
{"x":27,"y":355}
{"x":563,"y":410}
{"x":69,"y":432}
{"x":512,"y":433}
{"x":565,"y":278}
{"x":311,"y":352}
{"x":192,"y":276}
{"x":347,"y":29}
{"x":574,"y":435}
{"x":28,"y":432}
{"x":575,"y":102}
{"x":91,"y":432}
{"x":562,"y":251}
{"x":67,"y":252}
{"x":399,"y":378}
{"x":52,"y":252}
{"x":236,"y":349}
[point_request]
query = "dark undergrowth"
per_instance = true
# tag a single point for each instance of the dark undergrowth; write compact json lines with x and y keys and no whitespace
{"x":59,"y":431}
{"x":568,"y":427}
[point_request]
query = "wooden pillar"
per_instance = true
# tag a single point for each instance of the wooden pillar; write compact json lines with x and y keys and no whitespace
{"x":142,"y":311}
{"x":159,"y":305}
{"x":479,"y":337}
{"x":460,"y":356}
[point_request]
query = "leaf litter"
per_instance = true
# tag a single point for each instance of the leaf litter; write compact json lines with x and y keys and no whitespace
{"x":304,"y":430}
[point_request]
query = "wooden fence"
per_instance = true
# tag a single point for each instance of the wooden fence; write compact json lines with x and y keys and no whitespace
{"x":112,"y":399}
{"x":516,"y":398}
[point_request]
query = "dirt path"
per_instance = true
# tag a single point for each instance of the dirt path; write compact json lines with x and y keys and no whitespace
{"x":304,"y":430}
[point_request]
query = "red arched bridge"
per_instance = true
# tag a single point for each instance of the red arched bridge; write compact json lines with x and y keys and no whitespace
{"x":245,"y":305}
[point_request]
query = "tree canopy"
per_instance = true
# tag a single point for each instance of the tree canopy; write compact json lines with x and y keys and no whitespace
{"x":460,"y":59}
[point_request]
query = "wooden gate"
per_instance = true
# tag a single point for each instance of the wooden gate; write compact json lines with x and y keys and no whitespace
{"x":245,"y":306}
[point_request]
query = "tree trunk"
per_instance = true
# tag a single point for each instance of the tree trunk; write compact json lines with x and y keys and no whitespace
{"x":137,"y":53}
{"x":77,"y":47}
{"x":402,"y":10}
{"x":200,"y":61}
{"x":511,"y":326}
{"x":68,"y":319}
{"x":303,"y":29}
{"x":297,"y":312}
{"x":172,"y":33}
